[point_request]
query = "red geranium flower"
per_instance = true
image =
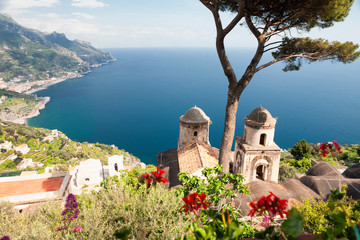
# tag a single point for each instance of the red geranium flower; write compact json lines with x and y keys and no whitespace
{"x":201,"y":203}
{"x":157,"y":176}
{"x":194,"y":203}
{"x":145,"y":178}
{"x":333,"y":148}
{"x":269,"y":205}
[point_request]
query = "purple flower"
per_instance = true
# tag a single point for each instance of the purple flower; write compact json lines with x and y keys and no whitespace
{"x":61,"y":228}
{"x":77,"y":228}
{"x":5,"y":238}
{"x":265,"y":222}
{"x":70,"y":212}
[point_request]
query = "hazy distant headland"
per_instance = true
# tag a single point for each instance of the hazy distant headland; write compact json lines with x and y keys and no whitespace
{"x":31,"y":60}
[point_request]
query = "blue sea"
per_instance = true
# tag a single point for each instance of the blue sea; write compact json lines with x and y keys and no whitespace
{"x":135,"y":102}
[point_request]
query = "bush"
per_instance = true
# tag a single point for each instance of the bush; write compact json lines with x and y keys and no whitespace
{"x":120,"y":203}
{"x":318,"y":214}
{"x":301,"y":150}
{"x":286,"y":172}
{"x":7,"y":165}
{"x":60,"y":168}
{"x":300,"y":165}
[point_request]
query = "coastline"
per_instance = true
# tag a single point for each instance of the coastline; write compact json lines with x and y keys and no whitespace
{"x":22,"y":119}
{"x":64,"y":78}
{"x":52,"y":82}
{"x":41,"y":105}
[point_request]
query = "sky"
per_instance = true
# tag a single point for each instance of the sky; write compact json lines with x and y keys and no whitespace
{"x":147,"y":23}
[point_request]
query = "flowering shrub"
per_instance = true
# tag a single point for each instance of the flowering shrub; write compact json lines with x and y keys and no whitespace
{"x":5,"y":238}
{"x":70,"y":213}
{"x":269,"y":205}
{"x":154,"y":177}
{"x":221,"y":221}
{"x":333,"y":148}
{"x":194,"y":203}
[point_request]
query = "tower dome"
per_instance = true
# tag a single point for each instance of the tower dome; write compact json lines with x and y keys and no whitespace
{"x":195,"y":115}
{"x":194,"y":125}
{"x":260,"y":118}
{"x":259,"y":128}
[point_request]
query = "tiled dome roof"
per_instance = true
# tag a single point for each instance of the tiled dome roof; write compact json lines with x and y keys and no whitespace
{"x":195,"y":115}
{"x":260,"y":117}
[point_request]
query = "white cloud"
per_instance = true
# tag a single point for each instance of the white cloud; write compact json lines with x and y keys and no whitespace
{"x":21,"y":4}
{"x":52,"y":22}
{"x":88,"y":3}
{"x":83,"y":15}
{"x":3,"y":4}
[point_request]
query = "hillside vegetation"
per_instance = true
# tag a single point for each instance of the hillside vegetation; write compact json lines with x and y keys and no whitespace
{"x":48,"y":148}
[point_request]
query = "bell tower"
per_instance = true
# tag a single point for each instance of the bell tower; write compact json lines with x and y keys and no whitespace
{"x":194,"y":125}
{"x":256,"y":155}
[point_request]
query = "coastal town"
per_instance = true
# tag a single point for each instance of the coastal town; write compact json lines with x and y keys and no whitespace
{"x":124,"y":153}
{"x":20,"y":84}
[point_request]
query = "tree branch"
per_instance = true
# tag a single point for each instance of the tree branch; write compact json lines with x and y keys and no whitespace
{"x":233,"y":23}
{"x":272,"y":43}
{"x":207,"y":4}
{"x":270,"y":49}
{"x":304,"y":55}
{"x":252,"y":28}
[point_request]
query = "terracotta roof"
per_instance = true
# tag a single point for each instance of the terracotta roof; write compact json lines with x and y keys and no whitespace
{"x":195,"y":115}
{"x":196,"y":155}
{"x":168,"y":160}
{"x":30,"y":186}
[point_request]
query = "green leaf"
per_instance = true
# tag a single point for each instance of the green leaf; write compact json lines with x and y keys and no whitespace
{"x":123,"y":233}
{"x":339,"y":221}
{"x":293,"y":225}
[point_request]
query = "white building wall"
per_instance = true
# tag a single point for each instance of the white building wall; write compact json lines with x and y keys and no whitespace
{"x":252,"y":136}
{"x":115,"y":164}
{"x":89,"y":172}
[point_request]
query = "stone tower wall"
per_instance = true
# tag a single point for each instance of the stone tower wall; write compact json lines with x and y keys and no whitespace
{"x":252,"y":135}
{"x":187,"y":131}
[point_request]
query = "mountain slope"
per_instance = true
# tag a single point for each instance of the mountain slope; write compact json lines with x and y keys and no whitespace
{"x":30,"y":55}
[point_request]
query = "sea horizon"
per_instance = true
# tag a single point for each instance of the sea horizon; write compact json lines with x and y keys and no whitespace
{"x":136,"y":101}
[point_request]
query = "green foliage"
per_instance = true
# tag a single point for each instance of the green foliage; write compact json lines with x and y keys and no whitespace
{"x":293,"y":225}
{"x":60,"y":168}
{"x":301,"y":165}
{"x":214,"y":184}
{"x":314,"y":50}
{"x":7,"y":165}
{"x":60,"y":151}
{"x":329,"y":218}
{"x":120,"y":206}
{"x":286,"y":172}
{"x":220,"y":226}
{"x":301,"y":150}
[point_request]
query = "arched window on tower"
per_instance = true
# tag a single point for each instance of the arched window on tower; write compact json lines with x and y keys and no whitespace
{"x":195,"y":133}
{"x":263,"y":139}
{"x":260,"y":172}
{"x":116,"y":167}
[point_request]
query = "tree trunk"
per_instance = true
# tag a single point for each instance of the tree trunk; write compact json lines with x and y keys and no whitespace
{"x":229,"y":128}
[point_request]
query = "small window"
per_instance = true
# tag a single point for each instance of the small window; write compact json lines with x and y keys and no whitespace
{"x":87,"y":179}
{"x":263,"y":139}
{"x":195,"y":133}
{"x":116,"y":167}
{"x":231,"y":167}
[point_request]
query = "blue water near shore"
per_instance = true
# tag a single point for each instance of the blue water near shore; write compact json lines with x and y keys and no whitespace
{"x":135,"y":102}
